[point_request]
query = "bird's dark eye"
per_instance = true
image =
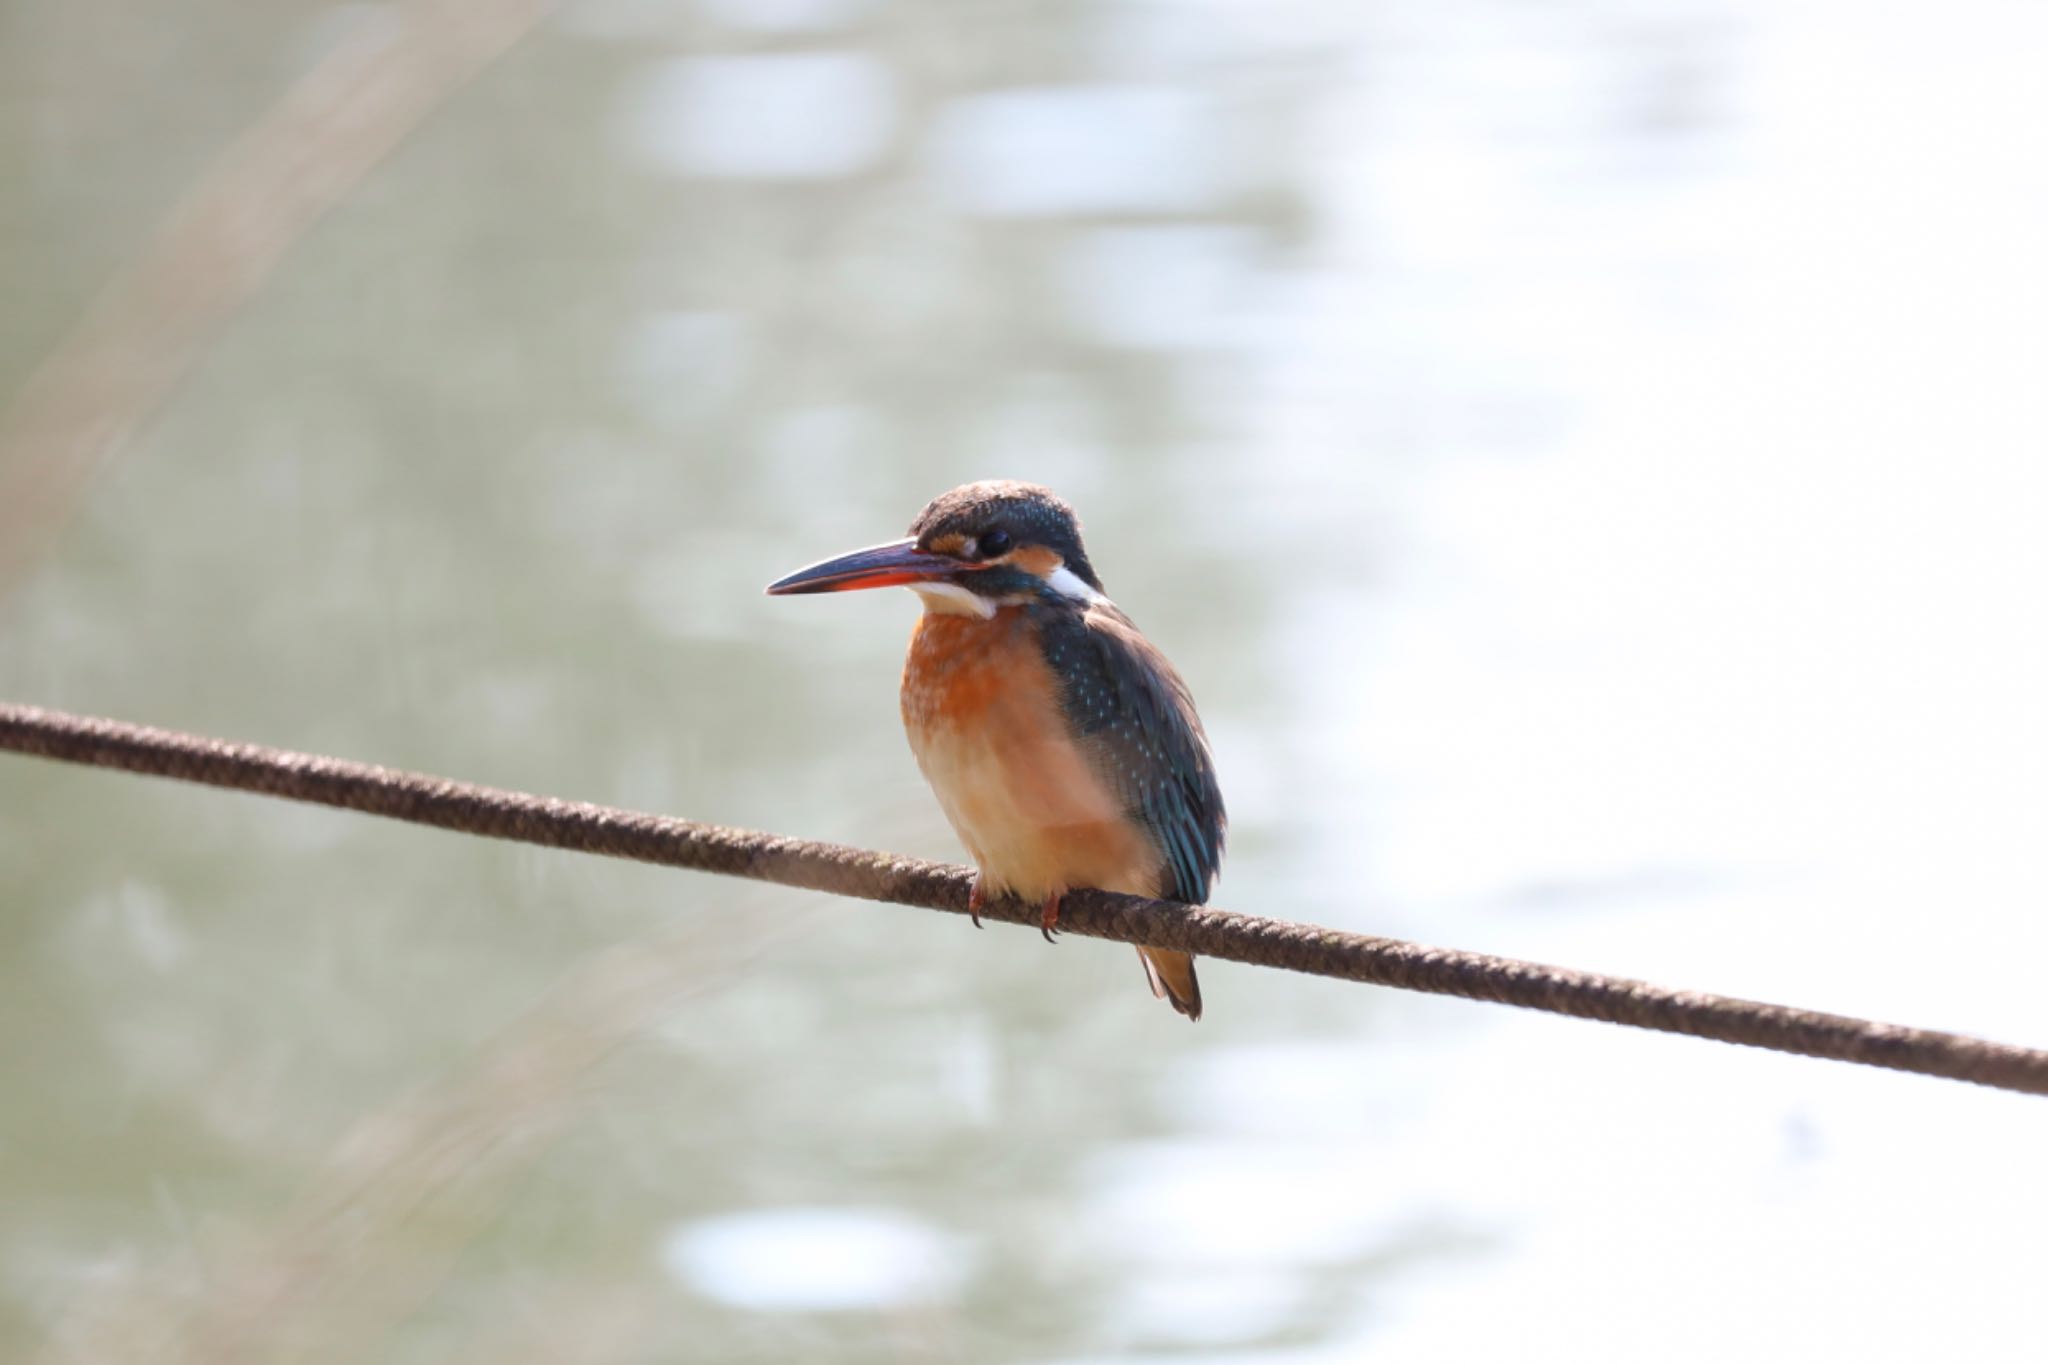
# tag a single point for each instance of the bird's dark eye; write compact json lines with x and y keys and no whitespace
{"x":993,"y":543}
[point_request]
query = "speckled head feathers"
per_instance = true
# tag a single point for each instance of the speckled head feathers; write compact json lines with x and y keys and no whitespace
{"x":1026,"y":513}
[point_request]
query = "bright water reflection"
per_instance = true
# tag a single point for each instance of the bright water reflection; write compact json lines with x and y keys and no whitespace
{"x":1587,"y":461}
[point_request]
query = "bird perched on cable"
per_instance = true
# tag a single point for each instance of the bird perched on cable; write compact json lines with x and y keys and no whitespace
{"x":1061,"y":743}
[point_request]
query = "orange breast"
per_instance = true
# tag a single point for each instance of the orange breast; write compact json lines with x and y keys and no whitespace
{"x":982,"y":712}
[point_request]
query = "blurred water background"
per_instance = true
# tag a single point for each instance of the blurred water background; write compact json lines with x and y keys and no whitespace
{"x":1587,"y":458}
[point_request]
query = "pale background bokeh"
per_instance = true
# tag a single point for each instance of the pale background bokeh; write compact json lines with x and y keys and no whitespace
{"x":1590,"y":461}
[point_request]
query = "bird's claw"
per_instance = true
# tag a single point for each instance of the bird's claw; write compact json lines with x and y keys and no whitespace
{"x":1049,"y":918}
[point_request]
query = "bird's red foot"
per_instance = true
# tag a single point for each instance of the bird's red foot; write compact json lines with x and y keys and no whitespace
{"x":976,"y":899}
{"x":1049,"y":918}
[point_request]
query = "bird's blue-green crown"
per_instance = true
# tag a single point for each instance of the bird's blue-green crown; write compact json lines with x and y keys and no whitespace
{"x":996,"y":515}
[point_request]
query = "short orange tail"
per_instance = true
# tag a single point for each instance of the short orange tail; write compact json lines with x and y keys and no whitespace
{"x":1172,"y":976}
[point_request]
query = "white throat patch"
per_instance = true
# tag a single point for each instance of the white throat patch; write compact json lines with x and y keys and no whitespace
{"x":950,"y":599}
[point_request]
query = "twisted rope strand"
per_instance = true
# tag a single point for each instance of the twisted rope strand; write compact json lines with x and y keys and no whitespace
{"x":422,"y":799}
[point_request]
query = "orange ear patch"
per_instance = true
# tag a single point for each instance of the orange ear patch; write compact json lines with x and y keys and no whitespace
{"x":1034,"y":559}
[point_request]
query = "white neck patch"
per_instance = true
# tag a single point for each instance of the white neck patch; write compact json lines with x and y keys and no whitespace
{"x":1071,"y":585}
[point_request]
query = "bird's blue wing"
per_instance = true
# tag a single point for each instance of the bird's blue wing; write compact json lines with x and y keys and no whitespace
{"x":1138,"y":725}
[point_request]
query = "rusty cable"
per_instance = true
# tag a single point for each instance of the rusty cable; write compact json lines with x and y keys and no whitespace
{"x":494,"y":813}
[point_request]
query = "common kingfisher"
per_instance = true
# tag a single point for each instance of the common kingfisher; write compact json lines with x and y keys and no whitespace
{"x":1063,"y":746}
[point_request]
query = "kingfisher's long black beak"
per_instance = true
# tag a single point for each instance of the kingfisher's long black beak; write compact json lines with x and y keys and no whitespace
{"x":878,"y":566}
